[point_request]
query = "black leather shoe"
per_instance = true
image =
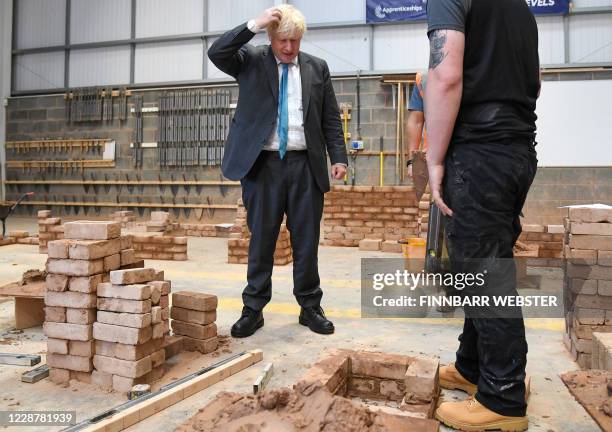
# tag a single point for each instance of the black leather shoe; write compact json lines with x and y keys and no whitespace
{"x":249,"y":322}
{"x":314,"y":318}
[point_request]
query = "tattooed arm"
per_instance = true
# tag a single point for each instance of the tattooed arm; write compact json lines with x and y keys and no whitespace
{"x":442,"y":100}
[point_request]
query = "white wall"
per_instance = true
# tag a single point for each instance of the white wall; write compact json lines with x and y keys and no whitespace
{"x":6,"y":12}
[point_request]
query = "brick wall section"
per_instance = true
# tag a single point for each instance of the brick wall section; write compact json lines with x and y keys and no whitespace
{"x":43,"y":118}
{"x":353,"y":213}
{"x":49,"y":229}
{"x":238,"y":243}
{"x":206,"y":230}
{"x":588,"y":280}
{"x":160,"y":247}
{"x":549,"y":241}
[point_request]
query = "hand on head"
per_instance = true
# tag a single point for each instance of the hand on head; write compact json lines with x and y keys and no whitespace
{"x":269,"y":16}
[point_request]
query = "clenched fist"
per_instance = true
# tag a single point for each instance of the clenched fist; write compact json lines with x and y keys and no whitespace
{"x":267,"y":17}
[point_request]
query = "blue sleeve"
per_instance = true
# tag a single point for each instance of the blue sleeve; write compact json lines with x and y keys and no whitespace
{"x":416,"y":101}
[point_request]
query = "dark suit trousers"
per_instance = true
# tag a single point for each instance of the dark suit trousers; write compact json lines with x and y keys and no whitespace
{"x":273,"y":188}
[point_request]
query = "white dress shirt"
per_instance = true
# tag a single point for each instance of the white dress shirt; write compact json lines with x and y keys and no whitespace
{"x":297,"y":138}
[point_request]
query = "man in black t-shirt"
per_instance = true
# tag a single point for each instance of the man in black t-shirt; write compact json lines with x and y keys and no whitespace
{"x":480,"y":103}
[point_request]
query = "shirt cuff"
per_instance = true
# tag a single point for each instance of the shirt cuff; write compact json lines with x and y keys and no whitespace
{"x":340,"y":163}
{"x":253,"y":27}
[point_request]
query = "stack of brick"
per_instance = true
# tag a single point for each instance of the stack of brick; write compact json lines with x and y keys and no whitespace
{"x":160,"y":247}
{"x":132,"y":321}
{"x":193,"y":317}
{"x":160,"y":221}
{"x":125,"y":217}
{"x":588,"y":279}
{"x":354,"y":213}
{"x":49,"y":229}
{"x":23,"y":237}
{"x":207,"y":230}
{"x":549,"y":240}
{"x":240,"y":238}
{"x":75,"y":267}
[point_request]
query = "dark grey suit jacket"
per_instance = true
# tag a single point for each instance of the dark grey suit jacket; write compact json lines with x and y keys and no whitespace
{"x":256,"y":71}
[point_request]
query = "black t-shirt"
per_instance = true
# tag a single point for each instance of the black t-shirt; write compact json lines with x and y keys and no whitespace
{"x":501,"y":67}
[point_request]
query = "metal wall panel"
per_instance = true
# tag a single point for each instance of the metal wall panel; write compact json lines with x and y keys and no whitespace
{"x":225,"y":15}
{"x":96,"y":21}
{"x":345,"y":50}
{"x":165,"y":62}
{"x":40,"y":23}
{"x":551,"y":40}
{"x":591,"y":38}
{"x":100,"y":66}
{"x":325,"y":11}
{"x":591,"y":3}
{"x":401,"y":47}
{"x":213,"y":72}
{"x":38,"y":71}
{"x":164,"y":17}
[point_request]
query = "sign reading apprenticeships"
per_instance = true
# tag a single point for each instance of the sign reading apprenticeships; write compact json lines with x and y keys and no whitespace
{"x":378,"y":11}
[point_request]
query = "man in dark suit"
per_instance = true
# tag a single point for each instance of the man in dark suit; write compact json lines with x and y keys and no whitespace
{"x":286,"y":120}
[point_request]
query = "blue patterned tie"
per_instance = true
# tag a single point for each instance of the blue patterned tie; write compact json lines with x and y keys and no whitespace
{"x":283,"y":114}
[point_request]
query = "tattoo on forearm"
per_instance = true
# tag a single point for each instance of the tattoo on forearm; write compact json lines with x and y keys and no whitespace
{"x":437,"y":43}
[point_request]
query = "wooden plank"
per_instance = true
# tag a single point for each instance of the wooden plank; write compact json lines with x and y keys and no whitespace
{"x":19,"y":359}
{"x":147,"y":408}
{"x":32,"y":290}
{"x":29,"y":312}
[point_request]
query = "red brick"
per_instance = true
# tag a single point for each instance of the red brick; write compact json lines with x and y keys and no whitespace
{"x":70,"y":299}
{"x":192,"y":316}
{"x":128,"y":352}
{"x":55,"y":282}
{"x":121,"y":334}
{"x":57,"y":346}
{"x":125,"y":319}
{"x":92,"y":230}
{"x":55,"y":314}
{"x":133,"y":276}
{"x":122,"y":305}
{"x":128,"y":292}
{"x":204,"y":346}
{"x":75,"y":267}
{"x":81,"y":348}
{"x":125,"y":368}
{"x":194,"y":301}
{"x":69,"y":362}
{"x":195,"y":331}
{"x":67,"y":331}
{"x":80,"y":316}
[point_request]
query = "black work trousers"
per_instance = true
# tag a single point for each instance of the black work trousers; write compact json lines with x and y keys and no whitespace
{"x":486,"y":186}
{"x":271,"y":189}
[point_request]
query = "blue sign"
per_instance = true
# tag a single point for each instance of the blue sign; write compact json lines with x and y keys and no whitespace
{"x":548,"y":7}
{"x":378,"y":11}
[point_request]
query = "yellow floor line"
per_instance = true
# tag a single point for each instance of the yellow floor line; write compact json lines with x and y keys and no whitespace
{"x":235,"y":304}
{"x":241,"y":277}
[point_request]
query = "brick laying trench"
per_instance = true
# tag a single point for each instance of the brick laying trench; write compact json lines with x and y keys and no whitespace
{"x":322,"y":399}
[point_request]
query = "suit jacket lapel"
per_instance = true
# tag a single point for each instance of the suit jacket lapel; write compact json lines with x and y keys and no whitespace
{"x":306,"y":77}
{"x":271,"y":72}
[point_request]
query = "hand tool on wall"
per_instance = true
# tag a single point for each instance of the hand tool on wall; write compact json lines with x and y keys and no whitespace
{"x":6,"y":210}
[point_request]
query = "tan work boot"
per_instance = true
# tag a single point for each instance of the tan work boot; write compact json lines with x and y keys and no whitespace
{"x":471,"y":416}
{"x":451,"y":379}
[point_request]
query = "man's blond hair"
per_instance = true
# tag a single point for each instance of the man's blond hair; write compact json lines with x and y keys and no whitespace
{"x":292,"y":23}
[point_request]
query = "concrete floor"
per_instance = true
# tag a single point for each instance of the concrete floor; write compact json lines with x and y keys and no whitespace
{"x":291,"y":347}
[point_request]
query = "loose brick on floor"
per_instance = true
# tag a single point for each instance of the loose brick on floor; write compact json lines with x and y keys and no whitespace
{"x":205,"y":346}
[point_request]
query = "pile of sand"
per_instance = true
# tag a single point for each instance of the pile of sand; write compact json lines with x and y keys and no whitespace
{"x":308,"y":407}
